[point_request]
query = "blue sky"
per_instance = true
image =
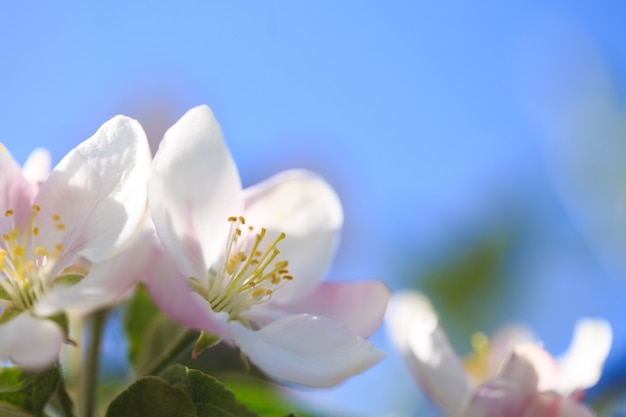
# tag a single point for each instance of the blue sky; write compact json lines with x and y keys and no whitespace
{"x":425,"y":118}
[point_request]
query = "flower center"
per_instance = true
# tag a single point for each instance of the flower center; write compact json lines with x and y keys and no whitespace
{"x":247,"y":274}
{"x":477,"y":362}
{"x":26,"y":261}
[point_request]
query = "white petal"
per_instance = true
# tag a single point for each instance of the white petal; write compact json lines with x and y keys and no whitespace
{"x":306,"y":350}
{"x":30,"y":342}
{"x":581,"y":366}
{"x":360,"y":306}
{"x":195,"y":187}
{"x":414,"y":329}
{"x":99,"y":190}
{"x":305,"y":207}
{"x":37,"y":167}
{"x":16,"y":192}
{"x":107,"y":283}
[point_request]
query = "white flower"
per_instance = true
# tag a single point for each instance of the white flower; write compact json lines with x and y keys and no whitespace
{"x":247,"y":264}
{"x":57,"y":228}
{"x":515,"y":377}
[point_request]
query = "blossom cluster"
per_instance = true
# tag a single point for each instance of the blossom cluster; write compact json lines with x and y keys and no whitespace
{"x":244,"y":265}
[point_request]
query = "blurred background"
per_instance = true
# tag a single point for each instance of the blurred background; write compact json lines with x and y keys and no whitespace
{"x":479,"y":147}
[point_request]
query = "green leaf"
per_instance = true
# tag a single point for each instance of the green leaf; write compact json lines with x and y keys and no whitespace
{"x":210,"y":396}
{"x":151,"y":334}
{"x":12,"y":379}
{"x":34,"y":395}
{"x":205,"y":341}
{"x":154,"y":397}
{"x":68,"y":280}
{"x":4,"y":295}
{"x":8,"y":313}
{"x":10,"y":410}
{"x":264,"y":397}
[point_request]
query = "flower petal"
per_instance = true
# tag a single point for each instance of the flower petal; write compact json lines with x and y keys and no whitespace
{"x":581,"y":366}
{"x":504,"y":341}
{"x":107,"y":283}
{"x":16,"y":192}
{"x":305,"y":207}
{"x":98,"y":190}
{"x":360,"y":306}
{"x":550,"y":404}
{"x":506,"y":395}
{"x":195,"y":187}
{"x":170,"y":291}
{"x":415,"y":331}
{"x":29,"y":342}
{"x":306,"y":350}
{"x":37,"y":167}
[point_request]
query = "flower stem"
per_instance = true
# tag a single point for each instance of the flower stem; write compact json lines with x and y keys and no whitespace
{"x":181,"y":344}
{"x":63,"y":399}
{"x":89,"y":372}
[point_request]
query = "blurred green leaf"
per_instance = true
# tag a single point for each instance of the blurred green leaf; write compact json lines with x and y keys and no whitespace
{"x":210,"y":396}
{"x":263,"y":397}
{"x":154,"y":397}
{"x":35,"y":393}
{"x":468,"y":286}
{"x":151,"y":334}
{"x":10,"y":410}
{"x":13,"y":379}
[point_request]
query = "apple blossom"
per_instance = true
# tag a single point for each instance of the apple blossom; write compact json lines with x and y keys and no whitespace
{"x":246,"y":264}
{"x":509,"y":375}
{"x":62,"y":235}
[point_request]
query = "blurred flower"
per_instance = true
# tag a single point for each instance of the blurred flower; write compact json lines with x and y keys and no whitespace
{"x":512,"y":377}
{"x":246,"y":264}
{"x":61,"y":235}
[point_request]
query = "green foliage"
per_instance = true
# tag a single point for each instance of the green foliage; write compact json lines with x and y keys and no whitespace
{"x":154,"y":397}
{"x":8,"y":313}
{"x":151,"y":334}
{"x":468,"y":287}
{"x":210,"y":396}
{"x":12,"y":379}
{"x":68,"y":280}
{"x":30,"y":398}
{"x":263,"y":397}
{"x":180,"y":392}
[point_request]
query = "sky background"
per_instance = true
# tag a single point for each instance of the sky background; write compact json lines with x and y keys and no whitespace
{"x":440,"y":126}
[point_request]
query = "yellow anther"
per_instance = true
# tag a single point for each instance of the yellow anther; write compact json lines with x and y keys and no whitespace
{"x":287,"y":277}
{"x":36,"y":207}
{"x":259,"y":292}
{"x":6,"y":237}
{"x":269,"y":292}
{"x":56,"y":217}
{"x":250,"y":228}
{"x":59,"y":226}
{"x":232,"y":219}
{"x":58,"y":247}
{"x":41,"y":251}
{"x":242,"y":220}
{"x":238,"y":231}
{"x":35,"y":230}
{"x":8,"y":212}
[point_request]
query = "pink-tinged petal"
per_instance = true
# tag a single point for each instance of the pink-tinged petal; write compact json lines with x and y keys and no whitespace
{"x":306,"y":350}
{"x":581,"y":366}
{"x":194,"y":189}
{"x":504,"y":341}
{"x":360,"y":306}
{"x":108,"y":283}
{"x":550,"y":404}
{"x":545,"y":366}
{"x":16,"y":193}
{"x":171,"y":292}
{"x":37,"y":167}
{"x":506,"y":395}
{"x":29,"y":342}
{"x":98,"y":190}
{"x":303,"y":206}
{"x":414,"y":328}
